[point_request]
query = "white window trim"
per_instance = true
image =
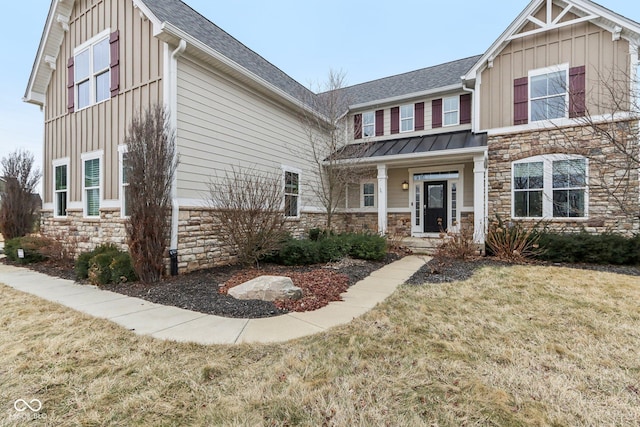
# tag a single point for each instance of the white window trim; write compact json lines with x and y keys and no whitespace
{"x":92,"y":74}
{"x":99,"y":154}
{"x":412,"y":117}
{"x":547,"y":186}
{"x":122,"y":150}
{"x":375,"y":193}
{"x":56,"y":163}
{"x":547,"y":70}
{"x":298,"y":171}
{"x":373,"y":133}
{"x":451,"y":111}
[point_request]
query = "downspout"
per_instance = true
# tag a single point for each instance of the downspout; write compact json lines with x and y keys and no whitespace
{"x":173,"y":110}
{"x":474,"y":119}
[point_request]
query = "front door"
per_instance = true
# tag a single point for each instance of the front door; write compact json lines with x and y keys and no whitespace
{"x":435,"y":206}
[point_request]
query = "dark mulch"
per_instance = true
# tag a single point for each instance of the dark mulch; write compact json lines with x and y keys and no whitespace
{"x":199,"y":291}
{"x":441,"y":270}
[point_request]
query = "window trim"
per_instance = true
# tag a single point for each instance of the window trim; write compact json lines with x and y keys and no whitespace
{"x":285,"y":170}
{"x":362,"y":194}
{"x":88,"y":45}
{"x":122,"y":150}
{"x":540,"y":72}
{"x":547,"y":186}
{"x":412,"y":117}
{"x":444,"y":111}
{"x":57,"y":163}
{"x":371,"y":125}
{"x":99,"y":154}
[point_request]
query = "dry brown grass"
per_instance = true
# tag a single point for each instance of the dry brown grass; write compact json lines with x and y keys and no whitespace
{"x":512,"y":346}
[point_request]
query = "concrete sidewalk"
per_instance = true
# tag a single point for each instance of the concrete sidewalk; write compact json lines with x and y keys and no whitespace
{"x":172,"y":323}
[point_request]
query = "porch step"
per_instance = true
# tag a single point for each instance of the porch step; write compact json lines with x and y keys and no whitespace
{"x":422,"y":245}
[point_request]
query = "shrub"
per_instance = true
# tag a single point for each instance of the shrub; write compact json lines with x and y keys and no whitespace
{"x":122,"y":269}
{"x":606,"y":248}
{"x":83,"y":262}
{"x":105,"y":264}
{"x":372,"y":247}
{"x":458,"y":245}
{"x":99,"y":268}
{"x":33,"y":247}
{"x":299,"y":252}
{"x":512,"y":241}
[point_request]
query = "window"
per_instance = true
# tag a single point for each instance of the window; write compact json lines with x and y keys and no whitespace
{"x":91,"y":184}
{"x":368,"y":124}
{"x":548,"y":94}
{"x":92,"y":75}
{"x":550,"y":186}
{"x":124,"y":181}
{"x":450,"y":111}
{"x":291,"y":194}
{"x":406,"y":118}
{"x":60,"y":187}
{"x":368,"y":195}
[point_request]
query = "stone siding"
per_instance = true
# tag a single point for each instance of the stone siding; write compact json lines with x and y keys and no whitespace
{"x":604,"y":170}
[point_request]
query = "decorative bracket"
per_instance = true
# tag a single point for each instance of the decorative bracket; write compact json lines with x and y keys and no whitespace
{"x":63,"y":21}
{"x":50,"y":61}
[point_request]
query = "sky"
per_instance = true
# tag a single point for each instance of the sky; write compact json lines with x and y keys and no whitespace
{"x":365,"y":40}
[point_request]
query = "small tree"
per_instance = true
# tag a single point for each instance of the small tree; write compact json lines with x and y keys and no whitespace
{"x":19,"y":205}
{"x":150,"y":165}
{"x":326,"y":127}
{"x":247,"y":206}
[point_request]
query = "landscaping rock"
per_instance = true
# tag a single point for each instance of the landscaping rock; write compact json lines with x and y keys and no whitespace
{"x":267,"y":288}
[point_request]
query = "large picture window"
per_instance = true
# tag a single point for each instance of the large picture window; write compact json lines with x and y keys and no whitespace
{"x":550,"y":186}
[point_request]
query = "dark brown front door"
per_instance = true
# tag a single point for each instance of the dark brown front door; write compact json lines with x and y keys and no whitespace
{"x":435,"y":206}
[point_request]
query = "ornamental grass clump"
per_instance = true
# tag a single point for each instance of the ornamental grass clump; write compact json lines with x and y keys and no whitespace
{"x":513,"y":241}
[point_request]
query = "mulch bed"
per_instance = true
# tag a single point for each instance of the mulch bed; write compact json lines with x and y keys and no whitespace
{"x":204,"y":291}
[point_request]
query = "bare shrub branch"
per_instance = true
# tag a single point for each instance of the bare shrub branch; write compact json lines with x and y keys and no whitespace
{"x":151,"y":162}
{"x":19,"y":204}
{"x":247,"y":205}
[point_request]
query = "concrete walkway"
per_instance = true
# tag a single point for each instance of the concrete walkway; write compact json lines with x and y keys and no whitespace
{"x":172,"y":323}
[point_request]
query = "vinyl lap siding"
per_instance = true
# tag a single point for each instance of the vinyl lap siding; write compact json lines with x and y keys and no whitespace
{"x":222,"y":124}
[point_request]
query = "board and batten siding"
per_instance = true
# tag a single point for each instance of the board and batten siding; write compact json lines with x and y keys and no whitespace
{"x":223,"y":124}
{"x":102,"y":126}
{"x":582,"y":44}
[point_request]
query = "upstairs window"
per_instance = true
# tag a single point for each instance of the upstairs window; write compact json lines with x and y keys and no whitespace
{"x":406,"y":118}
{"x":368,"y":124}
{"x":450,"y":111}
{"x":548,"y":94}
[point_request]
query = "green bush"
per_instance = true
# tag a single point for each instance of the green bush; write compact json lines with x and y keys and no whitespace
{"x":83,"y":262}
{"x":331,"y":248}
{"x":31,"y":245}
{"x":606,"y":248}
{"x":105,"y":264}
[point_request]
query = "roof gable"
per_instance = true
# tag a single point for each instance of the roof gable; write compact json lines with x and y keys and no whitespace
{"x":545,"y":15}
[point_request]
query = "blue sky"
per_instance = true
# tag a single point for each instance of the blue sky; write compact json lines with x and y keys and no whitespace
{"x":365,"y":39}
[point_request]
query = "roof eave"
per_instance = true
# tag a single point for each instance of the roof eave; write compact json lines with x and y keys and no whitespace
{"x":395,"y":99}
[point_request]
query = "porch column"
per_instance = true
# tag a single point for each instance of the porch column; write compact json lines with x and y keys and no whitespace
{"x":479,"y":199}
{"x":382,"y":199}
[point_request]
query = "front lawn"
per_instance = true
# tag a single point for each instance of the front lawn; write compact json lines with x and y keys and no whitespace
{"x":521,"y":345}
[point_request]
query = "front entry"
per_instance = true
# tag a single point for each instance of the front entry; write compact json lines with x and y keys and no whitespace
{"x":435,"y":206}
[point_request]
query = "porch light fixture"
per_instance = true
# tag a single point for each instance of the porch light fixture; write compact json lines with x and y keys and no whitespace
{"x":405,"y":185}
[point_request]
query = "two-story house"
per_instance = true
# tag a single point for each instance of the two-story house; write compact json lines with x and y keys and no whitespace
{"x":505,"y":132}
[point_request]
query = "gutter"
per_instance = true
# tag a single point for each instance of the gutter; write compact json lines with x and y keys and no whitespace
{"x":394,"y":99}
{"x":173,"y":111}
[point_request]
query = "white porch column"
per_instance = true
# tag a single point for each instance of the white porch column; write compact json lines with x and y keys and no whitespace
{"x":479,"y":199}
{"x":382,"y":199}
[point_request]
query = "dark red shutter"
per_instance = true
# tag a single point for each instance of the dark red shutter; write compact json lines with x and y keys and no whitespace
{"x":419,"y":112}
{"x":521,"y":101}
{"x":395,"y":120}
{"x":70,"y":86}
{"x":436,"y":113}
{"x":379,"y":122}
{"x":357,"y":126}
{"x":114,"y":42}
{"x":577,"y":92}
{"x":465,"y":109}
